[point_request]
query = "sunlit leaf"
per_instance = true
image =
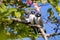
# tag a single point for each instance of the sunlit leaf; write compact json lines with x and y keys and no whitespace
{"x":17,"y":14}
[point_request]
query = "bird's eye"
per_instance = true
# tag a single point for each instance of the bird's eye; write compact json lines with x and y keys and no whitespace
{"x":32,"y":12}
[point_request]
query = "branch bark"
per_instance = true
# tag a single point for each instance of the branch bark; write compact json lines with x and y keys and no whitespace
{"x":1,"y":2}
{"x":54,"y":34}
{"x":40,"y":27}
{"x":45,"y":36}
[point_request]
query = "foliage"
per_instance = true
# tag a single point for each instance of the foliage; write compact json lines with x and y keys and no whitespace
{"x":11,"y":29}
{"x":54,"y":3}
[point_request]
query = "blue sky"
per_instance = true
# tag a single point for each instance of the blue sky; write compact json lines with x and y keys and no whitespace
{"x":48,"y":26}
{"x":49,"y":30}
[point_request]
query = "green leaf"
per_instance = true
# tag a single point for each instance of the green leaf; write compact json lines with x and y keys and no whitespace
{"x":17,"y":14}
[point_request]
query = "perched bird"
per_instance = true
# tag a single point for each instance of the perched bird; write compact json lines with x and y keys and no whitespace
{"x":34,"y":18}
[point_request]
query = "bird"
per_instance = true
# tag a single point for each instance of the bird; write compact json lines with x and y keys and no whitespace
{"x":34,"y":18}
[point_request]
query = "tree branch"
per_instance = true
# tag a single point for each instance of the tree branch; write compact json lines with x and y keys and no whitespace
{"x":40,"y":27}
{"x":20,"y":21}
{"x":54,"y":34}
{"x":1,"y":2}
{"x":15,"y":19}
